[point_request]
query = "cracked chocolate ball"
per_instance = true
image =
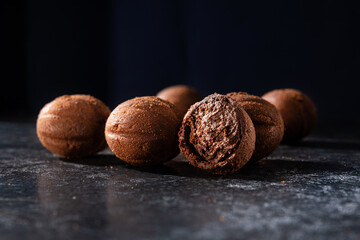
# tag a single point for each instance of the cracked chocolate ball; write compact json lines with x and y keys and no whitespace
{"x":217,"y":135}
{"x":181,"y":96}
{"x":268,"y":123}
{"x":143,"y":131}
{"x":297,"y":110}
{"x":72,"y":126}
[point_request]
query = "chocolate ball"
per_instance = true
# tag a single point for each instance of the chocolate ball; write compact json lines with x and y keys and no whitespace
{"x":181,"y":96}
{"x":143,"y":131}
{"x":217,"y":135}
{"x":72,"y":126}
{"x":268,"y":123}
{"x":297,"y":110}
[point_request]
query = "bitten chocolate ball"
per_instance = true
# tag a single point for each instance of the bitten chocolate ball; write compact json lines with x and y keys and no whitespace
{"x":143,"y":131}
{"x":297,"y":110}
{"x":268,"y":123}
{"x":181,"y":96}
{"x":72,"y":126}
{"x":217,"y":135}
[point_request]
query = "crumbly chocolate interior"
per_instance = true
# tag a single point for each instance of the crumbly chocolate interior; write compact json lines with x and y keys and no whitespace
{"x":213,"y":129}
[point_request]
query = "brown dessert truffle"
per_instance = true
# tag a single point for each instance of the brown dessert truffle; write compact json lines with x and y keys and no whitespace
{"x":217,"y":135}
{"x":72,"y":126}
{"x":297,"y":110}
{"x":143,"y":131}
{"x":181,"y":96}
{"x":268,"y":123}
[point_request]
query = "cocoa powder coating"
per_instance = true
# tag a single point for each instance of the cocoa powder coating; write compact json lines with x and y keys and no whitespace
{"x":72,"y":126}
{"x":143,"y":131}
{"x":217,"y":135}
{"x":297,"y":110}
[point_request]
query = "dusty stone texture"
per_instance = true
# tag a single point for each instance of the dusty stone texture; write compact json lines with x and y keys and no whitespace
{"x":308,"y":191}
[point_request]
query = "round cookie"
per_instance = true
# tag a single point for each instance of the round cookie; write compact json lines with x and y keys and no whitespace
{"x":143,"y":131}
{"x":217,"y":135}
{"x":72,"y":126}
{"x":297,"y":110}
{"x":181,"y":96}
{"x":268,"y":123}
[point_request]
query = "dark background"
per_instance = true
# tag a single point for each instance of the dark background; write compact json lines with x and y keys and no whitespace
{"x":116,"y":50}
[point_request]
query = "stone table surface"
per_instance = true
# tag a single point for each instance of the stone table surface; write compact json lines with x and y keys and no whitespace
{"x":308,"y":191}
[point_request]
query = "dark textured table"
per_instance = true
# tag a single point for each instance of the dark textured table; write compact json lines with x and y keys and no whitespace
{"x":309,"y":191}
